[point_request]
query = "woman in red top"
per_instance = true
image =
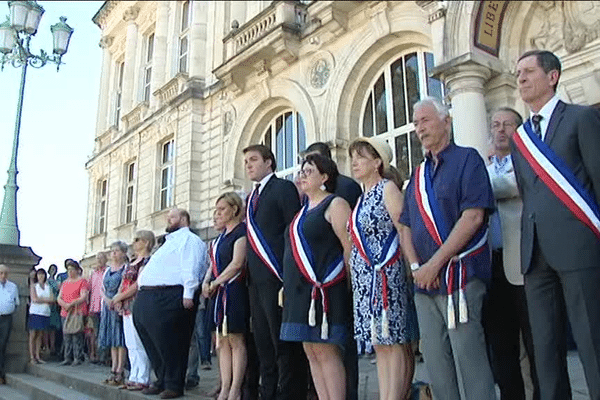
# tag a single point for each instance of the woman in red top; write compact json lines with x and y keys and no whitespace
{"x":139,"y":375}
{"x":73,"y":301}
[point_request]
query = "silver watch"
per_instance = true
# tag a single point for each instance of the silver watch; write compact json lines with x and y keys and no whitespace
{"x":414,"y":266}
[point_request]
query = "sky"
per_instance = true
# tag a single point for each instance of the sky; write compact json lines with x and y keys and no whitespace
{"x":57,"y":133}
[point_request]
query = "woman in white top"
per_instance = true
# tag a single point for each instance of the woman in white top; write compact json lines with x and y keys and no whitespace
{"x":39,"y":313}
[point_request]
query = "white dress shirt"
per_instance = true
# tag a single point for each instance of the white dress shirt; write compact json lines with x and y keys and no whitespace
{"x":263,"y":183}
{"x":546,"y":113}
{"x":178,"y":261}
{"x":9,"y":298}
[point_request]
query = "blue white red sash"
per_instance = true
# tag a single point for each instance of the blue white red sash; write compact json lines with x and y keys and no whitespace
{"x":558,"y":177}
{"x":259,"y":243}
{"x":220,"y":311}
{"x":390,"y":254}
{"x":435,"y":225}
{"x":305,"y":262}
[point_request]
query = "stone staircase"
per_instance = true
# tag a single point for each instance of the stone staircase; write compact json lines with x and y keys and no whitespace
{"x":84,"y":382}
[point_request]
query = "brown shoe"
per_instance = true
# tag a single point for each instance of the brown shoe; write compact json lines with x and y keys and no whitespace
{"x":152,"y":390}
{"x":2,"y":381}
{"x":169,"y":394}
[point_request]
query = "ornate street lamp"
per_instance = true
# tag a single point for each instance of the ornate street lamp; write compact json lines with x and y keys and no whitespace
{"x":15,"y":36}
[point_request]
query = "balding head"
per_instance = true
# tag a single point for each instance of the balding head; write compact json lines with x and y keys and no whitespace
{"x":176,"y":219}
{"x":3,"y":273}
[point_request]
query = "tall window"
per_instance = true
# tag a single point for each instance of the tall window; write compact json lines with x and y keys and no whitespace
{"x":148,"y":66}
{"x":119,"y":92}
{"x":101,"y":196}
{"x":389,"y":103}
{"x":129,"y":191}
{"x":183,"y":36}
{"x":286,"y":137}
{"x":166,"y":175}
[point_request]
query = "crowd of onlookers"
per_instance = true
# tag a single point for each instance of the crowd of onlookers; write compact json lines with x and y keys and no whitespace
{"x":303,"y":276}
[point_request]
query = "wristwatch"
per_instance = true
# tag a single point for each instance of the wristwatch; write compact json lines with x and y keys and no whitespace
{"x":414,"y":266}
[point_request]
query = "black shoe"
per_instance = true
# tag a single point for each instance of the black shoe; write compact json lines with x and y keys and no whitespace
{"x":190,"y":384}
{"x":66,"y":362}
{"x":150,"y":390}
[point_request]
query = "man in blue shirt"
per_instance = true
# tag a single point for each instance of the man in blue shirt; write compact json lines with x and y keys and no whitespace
{"x":444,"y":239}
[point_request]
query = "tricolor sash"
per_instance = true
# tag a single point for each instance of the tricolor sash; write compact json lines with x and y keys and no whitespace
{"x":558,"y":177}
{"x":305,"y":262}
{"x":390,"y":254}
{"x":220,"y":311}
{"x":259,"y":243}
{"x":434,"y":223}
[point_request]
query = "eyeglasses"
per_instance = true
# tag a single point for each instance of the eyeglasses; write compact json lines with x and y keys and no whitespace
{"x":506,"y":125}
{"x":306,"y":172}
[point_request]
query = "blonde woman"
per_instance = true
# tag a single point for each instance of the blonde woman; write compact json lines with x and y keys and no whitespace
{"x":139,"y":373}
{"x":227,"y":285}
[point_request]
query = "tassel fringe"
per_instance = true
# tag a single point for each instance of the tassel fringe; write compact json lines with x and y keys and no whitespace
{"x":385,"y":324}
{"x":451,"y":314}
{"x":324,"y":328}
{"x":312,"y":317}
{"x":463,"y":314}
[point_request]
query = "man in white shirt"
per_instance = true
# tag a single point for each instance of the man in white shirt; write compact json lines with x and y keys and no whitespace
{"x":505,"y":316}
{"x":166,"y":304}
{"x":9,"y":300}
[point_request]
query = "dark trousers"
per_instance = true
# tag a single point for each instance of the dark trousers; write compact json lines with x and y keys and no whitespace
{"x":165,"y":328}
{"x":505,"y":318}
{"x":252,"y":375}
{"x":5,"y":327}
{"x":351,"y":361}
{"x":552,"y":296}
{"x":283,"y":365}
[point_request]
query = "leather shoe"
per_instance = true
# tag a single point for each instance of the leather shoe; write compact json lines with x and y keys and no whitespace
{"x":169,"y":394}
{"x":152,"y":390}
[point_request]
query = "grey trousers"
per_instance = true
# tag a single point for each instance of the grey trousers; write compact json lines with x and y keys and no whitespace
{"x":456,"y":359}
{"x":73,"y":346}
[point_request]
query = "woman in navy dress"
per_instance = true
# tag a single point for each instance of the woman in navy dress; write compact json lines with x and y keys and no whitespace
{"x":384,"y":311}
{"x":316,"y":297}
{"x":227,"y":284}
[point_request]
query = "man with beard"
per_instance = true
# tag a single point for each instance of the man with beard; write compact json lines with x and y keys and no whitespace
{"x":165,"y":306}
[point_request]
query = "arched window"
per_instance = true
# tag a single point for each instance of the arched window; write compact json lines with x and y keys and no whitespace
{"x":388,"y":106}
{"x":286,"y":137}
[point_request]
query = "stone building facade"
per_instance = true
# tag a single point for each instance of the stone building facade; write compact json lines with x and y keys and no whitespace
{"x":186,"y":85}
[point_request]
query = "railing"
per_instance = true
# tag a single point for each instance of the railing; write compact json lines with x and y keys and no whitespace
{"x":290,"y":14}
{"x":171,"y":89}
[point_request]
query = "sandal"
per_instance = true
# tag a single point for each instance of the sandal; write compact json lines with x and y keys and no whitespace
{"x":111,"y":378}
{"x":118,"y":379}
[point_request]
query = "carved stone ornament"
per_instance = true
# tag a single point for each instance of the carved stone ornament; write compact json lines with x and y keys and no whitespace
{"x":106,"y":42}
{"x":319,"y":73}
{"x":131,"y":14}
{"x":571,"y":25}
{"x":228,"y":119}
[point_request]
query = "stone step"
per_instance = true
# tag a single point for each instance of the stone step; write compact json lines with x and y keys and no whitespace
{"x":36,"y":388}
{"x":9,"y":393}
{"x":88,"y":379}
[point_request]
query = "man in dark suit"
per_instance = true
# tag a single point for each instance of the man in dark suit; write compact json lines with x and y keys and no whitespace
{"x":271,"y":207}
{"x":560,"y":254}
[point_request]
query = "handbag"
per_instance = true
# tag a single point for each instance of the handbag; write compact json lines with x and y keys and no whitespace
{"x":73,"y":323}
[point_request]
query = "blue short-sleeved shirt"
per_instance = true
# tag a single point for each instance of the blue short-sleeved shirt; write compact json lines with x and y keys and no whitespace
{"x":460,"y":181}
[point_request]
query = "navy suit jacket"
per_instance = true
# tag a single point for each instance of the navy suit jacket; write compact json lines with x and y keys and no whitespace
{"x":567,"y":244}
{"x":278,"y":203}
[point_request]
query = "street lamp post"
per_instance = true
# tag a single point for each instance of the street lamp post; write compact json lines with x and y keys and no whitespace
{"x":15,"y":37}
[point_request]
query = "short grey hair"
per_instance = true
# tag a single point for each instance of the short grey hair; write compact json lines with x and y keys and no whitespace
{"x":120,"y":245}
{"x":441,"y":109}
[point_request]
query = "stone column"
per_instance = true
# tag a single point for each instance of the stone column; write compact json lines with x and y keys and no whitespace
{"x":465,"y":84}
{"x":130,"y":49}
{"x":198,"y":32}
{"x":159,"y":58}
{"x":437,"y":14}
{"x":104,"y":100}
{"x":19,"y":260}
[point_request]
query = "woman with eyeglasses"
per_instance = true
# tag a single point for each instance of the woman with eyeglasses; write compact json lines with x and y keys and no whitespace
{"x":139,"y":372}
{"x":315,"y":287}
{"x":227,"y":284}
